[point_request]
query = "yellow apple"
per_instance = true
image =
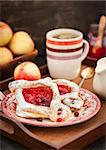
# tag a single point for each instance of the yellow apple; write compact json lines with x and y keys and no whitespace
{"x":5,"y":33}
{"x":21,"y":43}
{"x":27,"y":71}
{"x":5,"y":56}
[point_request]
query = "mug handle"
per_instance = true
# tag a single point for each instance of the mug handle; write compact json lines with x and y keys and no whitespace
{"x":86,"y":50}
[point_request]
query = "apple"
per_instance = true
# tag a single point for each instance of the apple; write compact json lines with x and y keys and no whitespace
{"x":5,"y":33}
{"x":21,"y":43}
{"x":27,"y":71}
{"x":5,"y":56}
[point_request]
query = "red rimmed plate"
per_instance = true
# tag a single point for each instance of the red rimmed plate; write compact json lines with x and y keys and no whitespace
{"x":9,"y":106}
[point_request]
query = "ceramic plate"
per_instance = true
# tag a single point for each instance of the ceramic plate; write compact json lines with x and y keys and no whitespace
{"x":93,"y":106}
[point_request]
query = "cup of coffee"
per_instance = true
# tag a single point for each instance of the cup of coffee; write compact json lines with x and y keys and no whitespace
{"x":65,"y":49}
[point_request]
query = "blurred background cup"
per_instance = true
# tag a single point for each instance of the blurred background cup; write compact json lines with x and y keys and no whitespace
{"x":65,"y":52}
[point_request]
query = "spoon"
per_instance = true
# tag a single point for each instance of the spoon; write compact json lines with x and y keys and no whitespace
{"x":86,"y":73}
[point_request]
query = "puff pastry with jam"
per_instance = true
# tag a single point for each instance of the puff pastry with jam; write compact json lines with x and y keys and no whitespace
{"x":39,"y":99}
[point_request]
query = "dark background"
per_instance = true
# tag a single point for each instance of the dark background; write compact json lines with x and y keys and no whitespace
{"x":37,"y":17}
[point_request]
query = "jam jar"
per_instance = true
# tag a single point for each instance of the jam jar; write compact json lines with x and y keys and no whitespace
{"x":92,"y":38}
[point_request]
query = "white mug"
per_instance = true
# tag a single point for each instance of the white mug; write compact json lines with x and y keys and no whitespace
{"x":64,"y":49}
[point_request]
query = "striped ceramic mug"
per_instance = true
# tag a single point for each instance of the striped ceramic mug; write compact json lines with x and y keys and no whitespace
{"x":65,"y":52}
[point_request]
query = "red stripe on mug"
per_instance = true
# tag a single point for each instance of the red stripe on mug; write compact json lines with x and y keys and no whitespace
{"x":64,"y":50}
{"x":64,"y":43}
{"x":63,"y":58}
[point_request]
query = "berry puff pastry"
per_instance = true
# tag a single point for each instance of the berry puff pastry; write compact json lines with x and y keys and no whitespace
{"x":39,"y":99}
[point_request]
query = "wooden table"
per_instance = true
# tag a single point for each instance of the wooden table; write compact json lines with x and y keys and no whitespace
{"x":73,"y":137}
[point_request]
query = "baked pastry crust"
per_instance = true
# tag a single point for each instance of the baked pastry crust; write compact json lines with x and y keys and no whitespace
{"x":61,"y":106}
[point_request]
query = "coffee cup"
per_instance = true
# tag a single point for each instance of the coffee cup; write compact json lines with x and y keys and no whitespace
{"x":65,"y":50}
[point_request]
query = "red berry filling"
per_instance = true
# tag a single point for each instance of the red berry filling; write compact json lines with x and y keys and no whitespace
{"x":76,"y":114}
{"x":59,"y":119}
{"x":63,"y":89}
{"x":41,"y":95}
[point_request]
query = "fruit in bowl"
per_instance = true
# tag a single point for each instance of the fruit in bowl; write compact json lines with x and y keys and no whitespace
{"x":21,"y":43}
{"x":6,"y":33}
{"x":6,"y":56}
{"x":27,"y":71}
